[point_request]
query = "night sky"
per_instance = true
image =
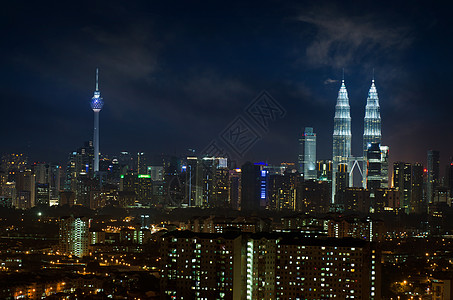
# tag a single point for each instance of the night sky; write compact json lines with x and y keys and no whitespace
{"x":174,"y":74}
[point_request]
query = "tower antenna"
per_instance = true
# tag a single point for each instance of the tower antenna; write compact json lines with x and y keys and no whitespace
{"x":97,"y":79}
{"x":343,"y":76}
{"x":373,"y":74}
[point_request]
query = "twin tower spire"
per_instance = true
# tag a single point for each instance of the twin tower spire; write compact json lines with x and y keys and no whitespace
{"x":342,"y":129}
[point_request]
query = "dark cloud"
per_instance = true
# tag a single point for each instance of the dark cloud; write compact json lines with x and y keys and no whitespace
{"x":173,"y":75}
{"x":341,"y":40}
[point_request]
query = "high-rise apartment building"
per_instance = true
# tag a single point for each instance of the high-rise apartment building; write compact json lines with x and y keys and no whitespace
{"x":75,"y":236}
{"x":234,"y":265}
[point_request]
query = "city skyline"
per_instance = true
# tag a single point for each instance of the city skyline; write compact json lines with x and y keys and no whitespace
{"x":162,"y":96}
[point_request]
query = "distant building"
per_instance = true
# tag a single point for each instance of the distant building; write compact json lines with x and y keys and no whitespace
{"x":385,"y":167}
{"x":386,"y":200}
{"x":341,"y":182}
{"x":207,"y":181}
{"x":418,"y":204}
{"x":235,"y":188}
{"x":402,"y":181}
{"x":313,"y":196}
{"x":282,"y":191}
{"x":25,"y":190}
{"x":254,"y":187}
{"x":374,"y":168}
{"x":324,"y":170}
{"x":433,"y":174}
{"x":307,"y":154}
{"x":356,"y":199}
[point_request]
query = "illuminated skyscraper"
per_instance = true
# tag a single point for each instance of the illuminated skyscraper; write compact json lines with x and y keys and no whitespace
{"x":385,"y":167}
{"x":341,"y":133}
{"x":96,"y":105}
{"x":372,"y":124}
{"x":307,"y":154}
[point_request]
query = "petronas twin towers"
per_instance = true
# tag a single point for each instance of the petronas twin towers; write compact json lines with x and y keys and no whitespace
{"x":343,"y":161}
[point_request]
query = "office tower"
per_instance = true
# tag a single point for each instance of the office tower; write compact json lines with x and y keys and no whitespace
{"x":433,"y":174}
{"x":324,"y":170}
{"x":402,"y":173}
{"x":386,"y":200}
{"x":126,"y":162}
{"x":11,"y":165}
{"x":417,"y":204}
{"x":207,"y":181}
{"x":341,"y":134}
{"x":341,"y":182}
{"x":80,"y":163}
{"x":252,"y":192}
{"x":235,"y":188}
{"x":313,"y":196}
{"x":372,"y":122}
{"x":384,"y":167}
{"x":373,"y":175}
{"x":282,"y":191}
{"x":96,"y":104}
{"x":75,"y":236}
{"x":141,"y":163}
{"x":156,"y":172}
{"x":25,"y":189}
{"x":42,"y":194}
{"x":449,"y":176}
{"x":48,"y":174}
{"x":356,"y":199}
{"x":307,"y":154}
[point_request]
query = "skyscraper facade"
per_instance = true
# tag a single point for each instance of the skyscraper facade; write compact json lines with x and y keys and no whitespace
{"x":372,"y":124}
{"x":402,"y":181}
{"x":307,"y":155}
{"x":372,"y":120}
{"x":373,"y":167}
{"x":96,"y":104}
{"x":384,"y":167}
{"x":341,"y":134}
{"x":433,"y":173}
{"x":418,"y":205}
{"x":74,"y":236}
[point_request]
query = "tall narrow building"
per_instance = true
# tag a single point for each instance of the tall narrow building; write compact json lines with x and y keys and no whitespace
{"x":372,"y":124}
{"x":96,"y":104}
{"x":341,"y":134}
{"x":307,"y":154}
{"x":433,"y":173}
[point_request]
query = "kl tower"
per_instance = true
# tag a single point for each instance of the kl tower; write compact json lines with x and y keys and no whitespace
{"x":96,"y":105}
